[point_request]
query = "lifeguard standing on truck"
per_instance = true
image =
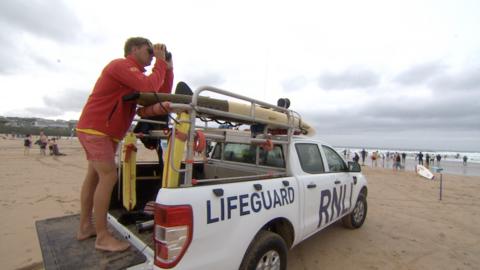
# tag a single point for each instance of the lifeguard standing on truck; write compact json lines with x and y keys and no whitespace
{"x":104,"y":121}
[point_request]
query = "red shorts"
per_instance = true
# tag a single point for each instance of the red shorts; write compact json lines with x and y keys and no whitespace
{"x":97,"y":147}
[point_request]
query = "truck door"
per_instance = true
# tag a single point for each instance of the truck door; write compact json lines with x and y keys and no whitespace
{"x":312,"y":180}
{"x":341,"y":197}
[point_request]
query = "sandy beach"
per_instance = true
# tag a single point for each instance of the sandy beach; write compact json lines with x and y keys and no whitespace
{"x":407,"y":226}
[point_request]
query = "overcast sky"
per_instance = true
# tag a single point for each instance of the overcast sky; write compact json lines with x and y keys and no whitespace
{"x":398,"y":74}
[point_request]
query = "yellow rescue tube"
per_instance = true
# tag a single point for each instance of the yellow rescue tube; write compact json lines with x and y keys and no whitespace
{"x":129,"y":173}
{"x":172,"y":165}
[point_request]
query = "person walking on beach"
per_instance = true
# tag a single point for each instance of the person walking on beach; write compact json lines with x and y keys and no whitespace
{"x":404,"y":156}
{"x":27,"y":144}
{"x":43,"y":141}
{"x":374,"y":158}
{"x":104,"y":121}
{"x":465,"y":158}
{"x":427,"y":159}
{"x":420,"y":158}
{"x":363,"y":153}
{"x":356,"y":158}
{"x":396,"y":162}
{"x":439,"y":157}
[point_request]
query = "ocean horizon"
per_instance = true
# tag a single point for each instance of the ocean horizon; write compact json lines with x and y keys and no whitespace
{"x":451,"y":155}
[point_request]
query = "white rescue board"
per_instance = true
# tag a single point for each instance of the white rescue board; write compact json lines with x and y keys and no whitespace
{"x":423,"y":171}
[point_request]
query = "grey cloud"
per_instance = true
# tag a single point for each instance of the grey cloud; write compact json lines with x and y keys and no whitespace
{"x":207,"y":78}
{"x":420,"y":73}
{"x":450,"y":112}
{"x":445,"y":106}
{"x":9,"y":53}
{"x":426,"y":140}
{"x":294,"y":84}
{"x":467,"y":80}
{"x":436,"y":76}
{"x":43,"y":111}
{"x":40,"y":60}
{"x":346,"y":124}
{"x":43,"y":20}
{"x":46,"y":19}
{"x":448,"y":119}
{"x":70,"y":100}
{"x":350,"y":78}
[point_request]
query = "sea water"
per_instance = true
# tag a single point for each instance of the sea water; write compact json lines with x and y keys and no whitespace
{"x":451,"y":161}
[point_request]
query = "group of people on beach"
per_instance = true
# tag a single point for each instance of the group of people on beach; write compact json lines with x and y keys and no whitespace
{"x":43,"y":141}
{"x":397,"y":159}
{"x":429,"y":159}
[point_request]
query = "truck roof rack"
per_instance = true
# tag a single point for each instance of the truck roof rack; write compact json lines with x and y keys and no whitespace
{"x":262,"y":129}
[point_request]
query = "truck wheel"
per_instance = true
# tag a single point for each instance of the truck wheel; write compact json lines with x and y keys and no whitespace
{"x":355,"y":219}
{"x":267,"y":251}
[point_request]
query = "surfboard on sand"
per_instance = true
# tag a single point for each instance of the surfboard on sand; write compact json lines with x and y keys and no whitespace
{"x":424,"y":172}
{"x":244,"y":109}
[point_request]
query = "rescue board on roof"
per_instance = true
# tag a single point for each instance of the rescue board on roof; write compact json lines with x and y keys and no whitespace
{"x":243,"y":109}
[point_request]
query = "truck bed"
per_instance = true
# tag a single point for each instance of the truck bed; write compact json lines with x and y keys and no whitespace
{"x":60,"y":249}
{"x":145,"y":236}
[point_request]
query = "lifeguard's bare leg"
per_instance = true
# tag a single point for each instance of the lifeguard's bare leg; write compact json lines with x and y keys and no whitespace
{"x":87,"y":229}
{"x":107,"y":177}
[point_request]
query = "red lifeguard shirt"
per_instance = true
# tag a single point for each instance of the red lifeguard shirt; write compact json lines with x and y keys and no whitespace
{"x":105,"y":111}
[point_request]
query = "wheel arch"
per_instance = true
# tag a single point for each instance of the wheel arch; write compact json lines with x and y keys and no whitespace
{"x":283,"y":227}
{"x":364,"y":191}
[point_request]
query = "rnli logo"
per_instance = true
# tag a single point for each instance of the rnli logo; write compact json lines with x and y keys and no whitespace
{"x":134,"y":69}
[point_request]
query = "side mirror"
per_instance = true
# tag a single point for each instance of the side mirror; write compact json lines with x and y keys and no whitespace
{"x":354,"y":167}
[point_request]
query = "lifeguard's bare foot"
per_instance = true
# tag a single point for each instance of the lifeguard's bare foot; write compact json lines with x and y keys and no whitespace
{"x":86,"y":232}
{"x":110,"y":243}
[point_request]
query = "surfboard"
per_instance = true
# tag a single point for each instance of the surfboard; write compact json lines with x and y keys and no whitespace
{"x":424,"y":172}
{"x":261,"y":113}
{"x":129,"y":173}
{"x":171,"y":176}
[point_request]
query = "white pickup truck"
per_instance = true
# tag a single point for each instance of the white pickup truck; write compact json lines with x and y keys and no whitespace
{"x":240,"y":207}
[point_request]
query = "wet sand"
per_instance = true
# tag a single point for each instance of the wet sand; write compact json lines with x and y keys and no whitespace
{"x":407,"y":227}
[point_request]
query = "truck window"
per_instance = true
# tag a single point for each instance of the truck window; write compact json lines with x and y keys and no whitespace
{"x":310,"y":158}
{"x":273,"y":158}
{"x":244,"y":153}
{"x":335,"y":162}
{"x":217,"y":151}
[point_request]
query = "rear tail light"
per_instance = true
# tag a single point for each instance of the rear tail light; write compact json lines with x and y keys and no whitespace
{"x":173,"y":233}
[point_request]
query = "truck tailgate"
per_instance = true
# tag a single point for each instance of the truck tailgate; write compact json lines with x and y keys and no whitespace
{"x":61,"y":250}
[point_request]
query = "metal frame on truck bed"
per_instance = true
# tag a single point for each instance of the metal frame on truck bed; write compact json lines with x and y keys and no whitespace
{"x":256,"y":137}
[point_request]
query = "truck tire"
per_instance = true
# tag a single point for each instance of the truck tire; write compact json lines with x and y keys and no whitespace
{"x":355,"y":219}
{"x":267,"y":251}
